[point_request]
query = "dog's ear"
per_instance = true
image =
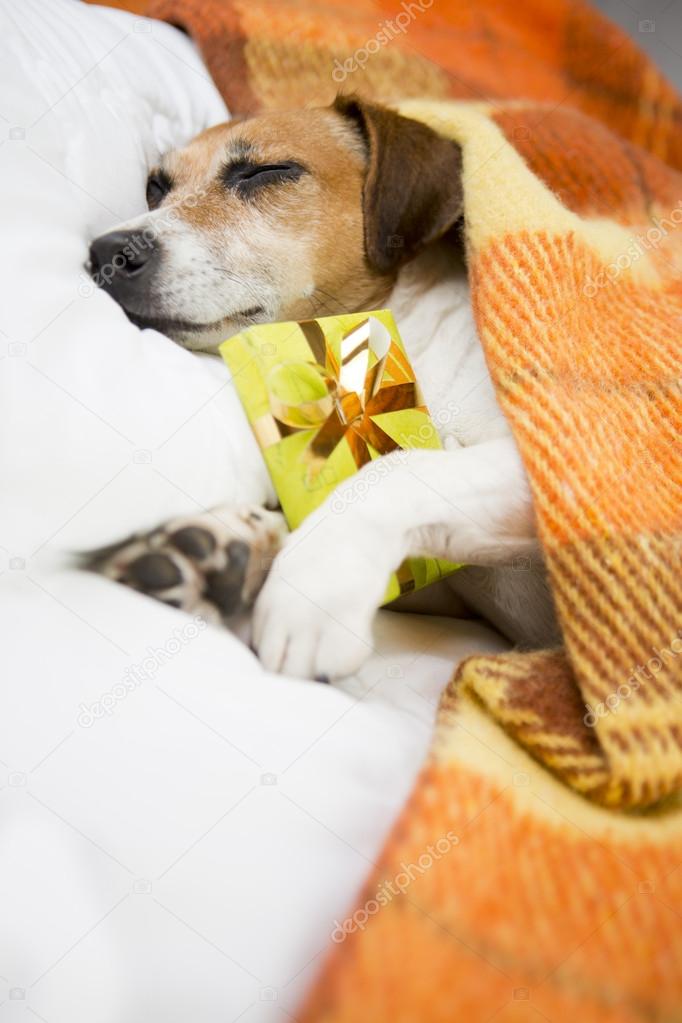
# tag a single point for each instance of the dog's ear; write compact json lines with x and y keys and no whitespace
{"x":413,"y":185}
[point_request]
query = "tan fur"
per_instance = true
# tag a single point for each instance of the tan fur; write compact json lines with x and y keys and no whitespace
{"x":320,"y":220}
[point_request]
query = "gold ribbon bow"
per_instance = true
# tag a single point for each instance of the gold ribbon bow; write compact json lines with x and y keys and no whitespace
{"x":370,"y":377}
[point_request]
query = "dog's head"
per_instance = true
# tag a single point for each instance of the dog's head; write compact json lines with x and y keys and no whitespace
{"x":285,"y":216}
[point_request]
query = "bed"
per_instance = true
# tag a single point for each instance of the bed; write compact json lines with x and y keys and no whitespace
{"x":181,"y":832}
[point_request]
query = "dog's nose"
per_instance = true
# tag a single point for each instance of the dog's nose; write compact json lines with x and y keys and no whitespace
{"x":120,"y":259}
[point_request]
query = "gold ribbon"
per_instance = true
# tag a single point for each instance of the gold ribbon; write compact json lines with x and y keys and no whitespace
{"x":371,"y":376}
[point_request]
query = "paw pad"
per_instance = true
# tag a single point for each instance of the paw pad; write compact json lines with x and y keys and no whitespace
{"x":200,"y":562}
{"x":154,"y":572}
{"x":225,"y":588}
{"x":194,"y":541}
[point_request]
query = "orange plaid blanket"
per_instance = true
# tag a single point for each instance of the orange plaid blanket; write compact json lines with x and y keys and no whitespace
{"x":504,"y":893}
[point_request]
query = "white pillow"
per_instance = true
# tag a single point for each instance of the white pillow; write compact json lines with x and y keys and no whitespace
{"x":107,"y":429}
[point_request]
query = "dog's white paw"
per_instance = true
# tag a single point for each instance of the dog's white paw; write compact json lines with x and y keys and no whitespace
{"x":313,"y":617}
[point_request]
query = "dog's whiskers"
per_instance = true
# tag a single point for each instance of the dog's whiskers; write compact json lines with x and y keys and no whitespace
{"x":326,"y":301}
{"x":232,"y":276}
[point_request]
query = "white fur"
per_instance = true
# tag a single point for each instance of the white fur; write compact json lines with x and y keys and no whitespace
{"x":470,"y":503}
{"x":210,"y":278}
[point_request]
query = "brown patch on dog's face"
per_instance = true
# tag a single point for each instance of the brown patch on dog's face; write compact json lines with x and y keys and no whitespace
{"x":278,"y":217}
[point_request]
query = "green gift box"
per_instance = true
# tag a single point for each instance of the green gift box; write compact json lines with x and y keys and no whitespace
{"x":325,"y":397}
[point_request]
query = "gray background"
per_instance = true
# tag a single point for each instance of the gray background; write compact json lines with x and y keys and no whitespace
{"x":656,"y":25}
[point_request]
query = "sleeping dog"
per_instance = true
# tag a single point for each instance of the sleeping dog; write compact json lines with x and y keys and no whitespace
{"x":289,"y":216}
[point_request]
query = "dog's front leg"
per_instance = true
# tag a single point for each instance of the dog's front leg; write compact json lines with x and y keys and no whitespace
{"x":314,"y":615}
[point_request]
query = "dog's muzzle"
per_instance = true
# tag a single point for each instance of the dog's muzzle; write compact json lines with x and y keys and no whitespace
{"x":122,"y":263}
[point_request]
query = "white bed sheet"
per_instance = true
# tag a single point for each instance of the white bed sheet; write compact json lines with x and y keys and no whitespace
{"x":183,"y":857}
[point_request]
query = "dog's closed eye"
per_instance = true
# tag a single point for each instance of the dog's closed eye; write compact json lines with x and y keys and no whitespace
{"x":246,"y":177}
{"x":158,"y":186}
